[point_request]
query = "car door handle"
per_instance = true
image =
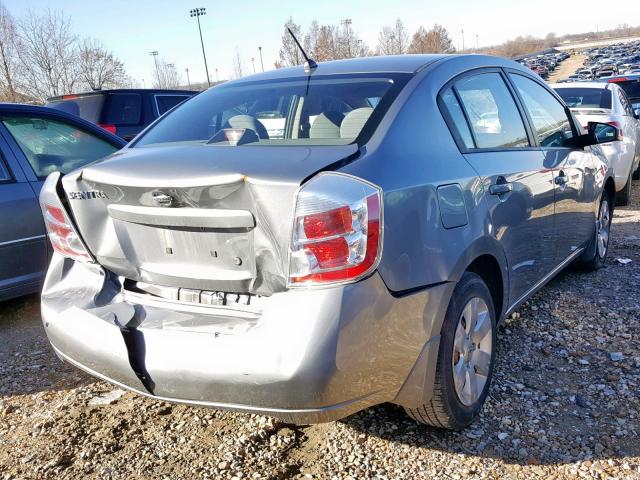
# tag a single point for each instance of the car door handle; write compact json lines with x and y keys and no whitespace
{"x":500,"y":188}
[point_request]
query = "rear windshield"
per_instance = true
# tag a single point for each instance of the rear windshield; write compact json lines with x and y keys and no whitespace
{"x":88,"y":107}
{"x":632,"y":89}
{"x":322,"y":110}
{"x":586,"y":97}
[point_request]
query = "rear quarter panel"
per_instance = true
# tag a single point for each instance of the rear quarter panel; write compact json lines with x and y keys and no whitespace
{"x":411,"y":154}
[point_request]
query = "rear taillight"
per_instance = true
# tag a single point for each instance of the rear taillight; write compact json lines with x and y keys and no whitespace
{"x":337,"y":231}
{"x":62,"y":234}
{"x":109,"y":128}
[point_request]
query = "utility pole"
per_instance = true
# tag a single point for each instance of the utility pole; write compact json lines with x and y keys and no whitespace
{"x":462,"y":40}
{"x":477,"y":43}
{"x":253,"y":63}
{"x":154,"y":54}
{"x":347,"y":23}
{"x":188,"y":81}
{"x":217,"y":79}
{"x":261,"y":62}
{"x":198,"y":12}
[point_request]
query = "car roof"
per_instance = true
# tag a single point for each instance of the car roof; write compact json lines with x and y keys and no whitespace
{"x":378,"y":64}
{"x":594,"y":85}
{"x":123,"y":90}
{"x":23,"y":108}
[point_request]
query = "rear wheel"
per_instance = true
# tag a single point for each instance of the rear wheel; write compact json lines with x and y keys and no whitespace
{"x":624,"y":195}
{"x":596,"y":253}
{"x":636,"y":174}
{"x":465,"y":358}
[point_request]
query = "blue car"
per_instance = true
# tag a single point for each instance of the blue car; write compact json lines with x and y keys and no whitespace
{"x":35,"y":141}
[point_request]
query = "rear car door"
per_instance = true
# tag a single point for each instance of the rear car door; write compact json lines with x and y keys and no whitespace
{"x":23,"y":251}
{"x":497,"y":142}
{"x":573,"y":168}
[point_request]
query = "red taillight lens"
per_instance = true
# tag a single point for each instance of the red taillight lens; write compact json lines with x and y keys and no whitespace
{"x":337,"y":231}
{"x":62,"y":234}
{"x":109,"y":128}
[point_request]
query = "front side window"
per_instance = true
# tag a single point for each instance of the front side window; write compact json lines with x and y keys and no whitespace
{"x":52,"y":145}
{"x":492,"y":112}
{"x":315,"y":110}
{"x":550,"y":121}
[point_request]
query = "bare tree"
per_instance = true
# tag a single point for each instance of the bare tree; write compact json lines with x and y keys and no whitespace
{"x":238,"y":65}
{"x":98,"y":67}
{"x":289,"y":52}
{"x":8,"y":54}
{"x":48,"y":54}
{"x":167,"y":75}
{"x":393,"y":39}
{"x":436,"y":40}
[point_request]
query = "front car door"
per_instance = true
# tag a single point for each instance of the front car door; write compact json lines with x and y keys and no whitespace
{"x":23,"y":254}
{"x":573,"y":168}
{"x":498,"y":144}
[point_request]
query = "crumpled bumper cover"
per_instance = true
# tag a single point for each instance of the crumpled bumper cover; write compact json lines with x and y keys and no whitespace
{"x":307,"y":356}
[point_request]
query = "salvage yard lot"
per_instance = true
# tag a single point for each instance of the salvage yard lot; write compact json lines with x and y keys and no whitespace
{"x":565,"y":403}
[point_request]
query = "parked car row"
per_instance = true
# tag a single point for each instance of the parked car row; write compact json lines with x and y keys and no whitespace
{"x":616,"y":59}
{"x":544,"y":64}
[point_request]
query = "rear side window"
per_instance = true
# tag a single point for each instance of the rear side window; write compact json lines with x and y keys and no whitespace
{"x":123,"y":109}
{"x":167,"y":102}
{"x":88,"y":107}
{"x":492,"y":112}
{"x":456,"y":114}
{"x":52,"y":145}
{"x":550,"y":121}
{"x":586,"y":97}
{"x":632,"y":89}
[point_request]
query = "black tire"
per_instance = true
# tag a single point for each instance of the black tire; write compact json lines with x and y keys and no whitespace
{"x":636,"y":174}
{"x":624,"y":196}
{"x":445,"y":409}
{"x":593,"y":257}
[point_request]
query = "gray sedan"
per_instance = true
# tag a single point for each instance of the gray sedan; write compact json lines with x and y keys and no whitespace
{"x":309,"y":242}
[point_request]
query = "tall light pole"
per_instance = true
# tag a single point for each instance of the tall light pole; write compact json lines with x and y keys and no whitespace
{"x":477,"y":43}
{"x":253,"y":63}
{"x":154,"y":54}
{"x":462,"y":40}
{"x":217,"y":78}
{"x":188,"y":81}
{"x":347,"y":23}
{"x":261,"y":62}
{"x":198,"y":12}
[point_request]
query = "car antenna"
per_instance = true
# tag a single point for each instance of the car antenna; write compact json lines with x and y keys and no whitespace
{"x":310,"y":63}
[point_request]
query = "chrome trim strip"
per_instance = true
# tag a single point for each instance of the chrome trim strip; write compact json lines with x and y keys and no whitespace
{"x":544,"y":280}
{"x":25,"y":239}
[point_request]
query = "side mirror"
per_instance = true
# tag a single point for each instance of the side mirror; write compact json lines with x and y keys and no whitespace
{"x":603,"y":132}
{"x":597,"y":133}
{"x":636,"y":113}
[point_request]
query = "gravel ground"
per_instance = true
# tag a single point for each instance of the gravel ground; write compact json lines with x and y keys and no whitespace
{"x":564,"y":404}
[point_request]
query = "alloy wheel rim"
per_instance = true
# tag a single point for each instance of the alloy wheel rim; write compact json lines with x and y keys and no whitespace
{"x":472,"y":351}
{"x":602,"y":236}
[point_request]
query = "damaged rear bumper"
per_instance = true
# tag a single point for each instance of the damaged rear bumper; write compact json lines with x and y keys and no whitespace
{"x":305,"y":356}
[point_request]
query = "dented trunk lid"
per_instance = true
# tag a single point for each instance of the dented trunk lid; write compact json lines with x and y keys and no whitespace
{"x":205,"y":217}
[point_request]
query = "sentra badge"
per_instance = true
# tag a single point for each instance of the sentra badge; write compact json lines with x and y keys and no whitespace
{"x":89,"y":194}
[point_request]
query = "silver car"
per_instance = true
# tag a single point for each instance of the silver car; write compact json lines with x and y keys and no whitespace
{"x":608,"y":103}
{"x":362,"y":252}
